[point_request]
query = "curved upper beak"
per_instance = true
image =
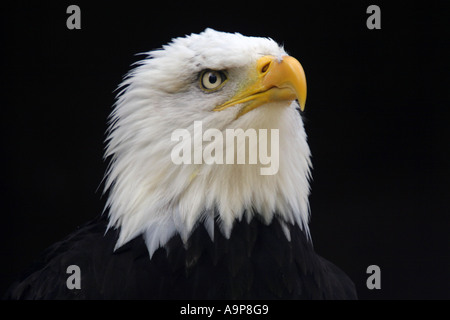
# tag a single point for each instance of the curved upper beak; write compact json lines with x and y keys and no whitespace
{"x":273,"y":80}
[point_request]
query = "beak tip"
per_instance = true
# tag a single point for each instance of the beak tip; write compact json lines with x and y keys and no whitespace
{"x":301,"y":104}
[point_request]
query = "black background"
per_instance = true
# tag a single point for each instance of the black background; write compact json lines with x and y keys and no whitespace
{"x":377,"y":118}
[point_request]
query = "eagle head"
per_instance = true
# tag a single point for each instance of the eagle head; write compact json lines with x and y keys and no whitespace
{"x":207,"y":130}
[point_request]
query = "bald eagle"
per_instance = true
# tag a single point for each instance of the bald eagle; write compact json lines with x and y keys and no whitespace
{"x":207,"y":185}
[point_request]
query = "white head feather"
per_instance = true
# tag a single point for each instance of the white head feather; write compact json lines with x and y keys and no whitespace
{"x":152,"y":196}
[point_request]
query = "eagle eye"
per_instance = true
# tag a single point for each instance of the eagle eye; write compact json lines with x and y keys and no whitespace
{"x":211,"y":80}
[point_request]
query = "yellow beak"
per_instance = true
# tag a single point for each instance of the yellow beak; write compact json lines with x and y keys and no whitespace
{"x":272,"y":81}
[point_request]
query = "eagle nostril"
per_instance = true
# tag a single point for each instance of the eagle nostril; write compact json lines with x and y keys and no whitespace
{"x":265,"y":67}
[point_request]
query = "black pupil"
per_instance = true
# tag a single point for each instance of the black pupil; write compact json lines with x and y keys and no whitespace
{"x":212,"y":78}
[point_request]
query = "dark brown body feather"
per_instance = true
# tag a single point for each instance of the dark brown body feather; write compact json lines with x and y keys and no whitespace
{"x":256,"y":262}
